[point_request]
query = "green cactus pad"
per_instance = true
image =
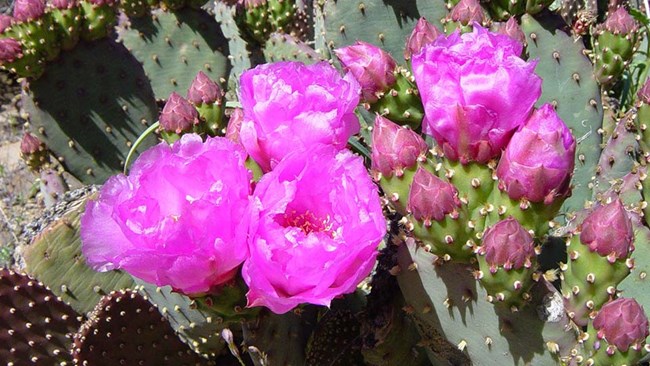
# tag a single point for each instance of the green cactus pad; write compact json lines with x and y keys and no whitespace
{"x":240,"y":55}
{"x":198,"y":327}
{"x":285,"y":47}
{"x":280,"y":339}
{"x":98,"y":20}
{"x":55,"y":258}
{"x":174,"y":46}
{"x":92,"y":135}
{"x":384,"y":23}
{"x":568,"y":83}
{"x":336,"y":340}
{"x":447,"y":300}
{"x":37,"y":326}
{"x":125,"y":329}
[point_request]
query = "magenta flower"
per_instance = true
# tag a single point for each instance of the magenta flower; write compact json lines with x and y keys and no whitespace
{"x":476,"y":92}
{"x":180,"y":217}
{"x":204,"y":90}
{"x":538,"y":162}
{"x":507,"y":244}
{"x":395,"y":148}
{"x":608,"y":231}
{"x":178,"y":115}
{"x":622,"y":323}
{"x":26,"y":10}
{"x":423,"y":34}
{"x":290,"y":106}
{"x":316,"y":225}
{"x":371,"y":66}
{"x":10,"y":50}
{"x":431,"y":198}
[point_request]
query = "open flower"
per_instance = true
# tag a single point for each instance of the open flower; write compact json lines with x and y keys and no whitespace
{"x":179,"y":218}
{"x":476,"y":92}
{"x":290,"y":106}
{"x":316,"y":225}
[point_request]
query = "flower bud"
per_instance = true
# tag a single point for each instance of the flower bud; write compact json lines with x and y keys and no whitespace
{"x":431,"y":198}
{"x":623,"y":323}
{"x":608,"y":231}
{"x":620,"y":22}
{"x":467,"y":12}
{"x":423,"y":34}
{"x":394,"y":148}
{"x":538,"y":162}
{"x":511,"y":29}
{"x":63,"y":4}
{"x":234,"y":125}
{"x":178,"y":115}
{"x":644,"y":92}
{"x":370,"y":65}
{"x":507,"y":244}
{"x":9,"y":50}
{"x":30,"y":144}
{"x":203,"y":90}
{"x":26,"y":10}
{"x":5,"y":22}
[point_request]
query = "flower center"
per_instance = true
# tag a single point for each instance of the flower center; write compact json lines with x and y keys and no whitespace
{"x":307,"y":222}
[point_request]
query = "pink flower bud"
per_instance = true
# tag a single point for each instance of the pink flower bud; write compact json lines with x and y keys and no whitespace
{"x":423,"y":34}
{"x":620,"y":22}
{"x":26,"y":10}
{"x":476,"y":92}
{"x":234,"y":125}
{"x":30,"y":144}
{"x":10,"y":50}
{"x":507,"y":244}
{"x":203,"y":90}
{"x":511,"y":29}
{"x":63,"y":4}
{"x":370,"y":65}
{"x":623,"y":323}
{"x":5,"y":22}
{"x":394,"y":148}
{"x":467,"y":12}
{"x":608,"y":231}
{"x":431,"y":198}
{"x":538,"y":162}
{"x":178,"y":115}
{"x":644,"y":92}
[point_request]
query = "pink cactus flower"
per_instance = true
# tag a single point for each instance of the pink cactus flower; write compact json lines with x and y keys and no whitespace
{"x":511,"y":29}
{"x":608,"y":231}
{"x":10,"y":50}
{"x":178,"y":115}
{"x":315,"y":229}
{"x":476,"y":92}
{"x":26,"y":10}
{"x":5,"y":22}
{"x":467,"y":12}
{"x":622,"y":323}
{"x":621,"y":22}
{"x":290,"y":106}
{"x":431,"y":198}
{"x":508,"y":245}
{"x":423,"y":34}
{"x":538,"y":162}
{"x":394,"y":148}
{"x":234,"y":125}
{"x":180,"y":218}
{"x":204,"y":90}
{"x":30,"y":144}
{"x":371,"y":66}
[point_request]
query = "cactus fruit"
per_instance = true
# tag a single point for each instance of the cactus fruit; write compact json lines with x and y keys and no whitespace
{"x":99,"y":17}
{"x":614,"y":44}
{"x":259,"y":18}
{"x":206,"y":95}
{"x":33,"y":151}
{"x":66,"y":16}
